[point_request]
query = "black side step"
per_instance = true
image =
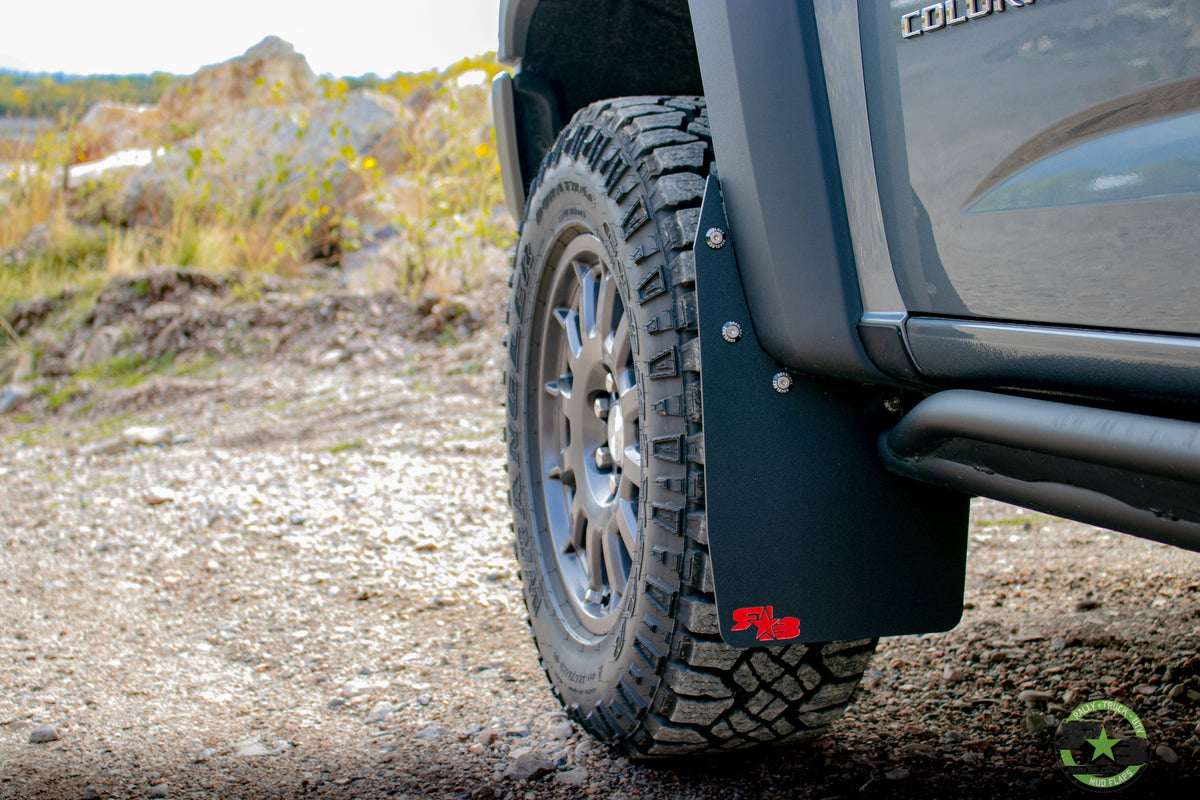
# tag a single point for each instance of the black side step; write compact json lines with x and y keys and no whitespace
{"x":1129,"y":472}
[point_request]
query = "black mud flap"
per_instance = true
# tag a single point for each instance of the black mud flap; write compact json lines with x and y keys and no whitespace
{"x":811,"y":538}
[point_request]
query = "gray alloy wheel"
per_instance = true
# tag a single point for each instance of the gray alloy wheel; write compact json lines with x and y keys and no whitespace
{"x":588,"y":437}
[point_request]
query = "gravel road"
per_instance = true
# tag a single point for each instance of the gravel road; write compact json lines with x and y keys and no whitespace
{"x":306,"y":588}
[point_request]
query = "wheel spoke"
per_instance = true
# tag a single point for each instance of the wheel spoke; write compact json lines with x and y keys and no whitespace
{"x":595,"y":557}
{"x":615,"y":561}
{"x":629,"y":407}
{"x":609,"y":312}
{"x":577,"y":542}
{"x":626,"y":521}
{"x":568,"y":462}
{"x":626,"y":381}
{"x":589,"y":297}
{"x":617,"y":347}
{"x":570,"y":324}
{"x":631,"y":476}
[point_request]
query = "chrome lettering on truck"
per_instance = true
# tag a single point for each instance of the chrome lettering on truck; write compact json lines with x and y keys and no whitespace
{"x":952,"y":12}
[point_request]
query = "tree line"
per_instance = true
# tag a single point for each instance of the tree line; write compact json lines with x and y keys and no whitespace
{"x":62,"y":96}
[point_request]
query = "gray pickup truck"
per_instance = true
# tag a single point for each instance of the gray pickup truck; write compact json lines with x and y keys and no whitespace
{"x":796,"y":279}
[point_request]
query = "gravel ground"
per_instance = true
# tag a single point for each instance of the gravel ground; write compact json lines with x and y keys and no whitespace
{"x":308,"y":590}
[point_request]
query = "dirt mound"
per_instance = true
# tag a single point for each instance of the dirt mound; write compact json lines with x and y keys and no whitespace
{"x":176,"y":321}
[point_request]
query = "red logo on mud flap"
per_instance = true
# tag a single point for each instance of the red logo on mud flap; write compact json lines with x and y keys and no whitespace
{"x":768,"y":627}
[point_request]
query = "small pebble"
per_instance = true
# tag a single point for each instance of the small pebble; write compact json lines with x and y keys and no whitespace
{"x":380,"y":712}
{"x":254,"y":747}
{"x":1034,"y":722}
{"x":561,"y":730}
{"x":572,"y":777}
{"x":897,"y":774}
{"x":529,"y":766}
{"x":431,"y":733}
{"x":104,"y":447}
{"x":331,"y":358}
{"x":43,"y":733}
{"x":1166,"y":754}
{"x":1034,"y":697}
{"x":157,"y":495}
{"x":160,"y":790}
{"x":146,"y":435}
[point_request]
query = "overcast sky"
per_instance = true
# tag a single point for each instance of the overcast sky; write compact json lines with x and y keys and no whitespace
{"x":138,"y":36}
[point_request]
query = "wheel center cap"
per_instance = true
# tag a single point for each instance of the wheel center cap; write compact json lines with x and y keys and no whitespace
{"x":616,"y":434}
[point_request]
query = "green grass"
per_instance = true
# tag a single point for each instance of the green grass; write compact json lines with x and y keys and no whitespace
{"x":469,"y":368}
{"x":122,"y":371}
{"x":63,"y":395}
{"x":126,"y":370}
{"x":342,"y":447}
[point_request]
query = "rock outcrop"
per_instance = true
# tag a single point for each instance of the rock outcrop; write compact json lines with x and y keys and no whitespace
{"x":252,"y":131}
{"x":270,"y":74}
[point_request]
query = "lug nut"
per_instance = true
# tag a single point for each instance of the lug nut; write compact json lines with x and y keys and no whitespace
{"x":593,"y":596}
{"x":614,"y":482}
{"x":604,"y":459}
{"x":601,"y":405}
{"x":610,"y":383}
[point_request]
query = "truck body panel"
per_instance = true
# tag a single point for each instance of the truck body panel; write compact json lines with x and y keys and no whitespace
{"x":1040,"y":163}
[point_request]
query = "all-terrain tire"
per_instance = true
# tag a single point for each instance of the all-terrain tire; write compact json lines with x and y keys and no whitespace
{"x":606,"y":453}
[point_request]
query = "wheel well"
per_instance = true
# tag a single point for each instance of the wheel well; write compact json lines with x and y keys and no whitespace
{"x":577,"y":53}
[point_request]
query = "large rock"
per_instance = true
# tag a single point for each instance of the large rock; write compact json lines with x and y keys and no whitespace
{"x":276,"y":157}
{"x":271,"y":73}
{"x":108,"y":127}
